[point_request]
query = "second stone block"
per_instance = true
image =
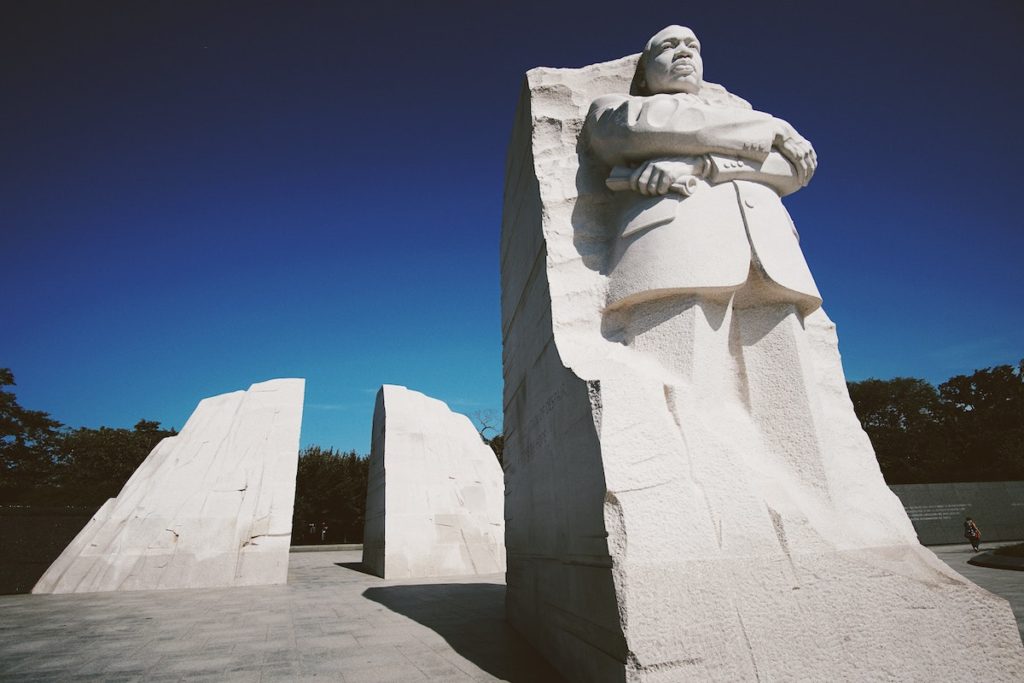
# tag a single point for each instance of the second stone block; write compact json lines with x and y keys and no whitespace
{"x":434,"y":503}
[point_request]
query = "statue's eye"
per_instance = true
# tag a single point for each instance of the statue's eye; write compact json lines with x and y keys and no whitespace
{"x":668,"y":45}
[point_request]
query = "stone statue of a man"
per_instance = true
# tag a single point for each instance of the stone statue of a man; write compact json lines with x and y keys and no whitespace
{"x":705,"y":273}
{"x":710,"y":171}
{"x":666,"y":354}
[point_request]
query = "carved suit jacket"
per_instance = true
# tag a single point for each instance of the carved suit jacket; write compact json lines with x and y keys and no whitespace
{"x":705,"y":242}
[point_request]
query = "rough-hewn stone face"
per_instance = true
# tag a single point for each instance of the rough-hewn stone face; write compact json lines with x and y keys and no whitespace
{"x":689,"y":495}
{"x":209,"y":507}
{"x":434,"y":496}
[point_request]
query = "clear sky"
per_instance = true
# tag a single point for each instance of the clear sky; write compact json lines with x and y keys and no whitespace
{"x":195,"y":196}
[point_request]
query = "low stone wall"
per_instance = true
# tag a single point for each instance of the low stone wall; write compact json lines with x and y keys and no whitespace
{"x":31,"y":538}
{"x":938,"y":510}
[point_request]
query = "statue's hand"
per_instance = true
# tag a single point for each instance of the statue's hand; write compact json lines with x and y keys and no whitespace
{"x":656,"y":177}
{"x":798,"y":150}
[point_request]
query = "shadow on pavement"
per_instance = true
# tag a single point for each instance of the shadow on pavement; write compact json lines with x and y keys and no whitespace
{"x":354,"y":566}
{"x":471,"y":618}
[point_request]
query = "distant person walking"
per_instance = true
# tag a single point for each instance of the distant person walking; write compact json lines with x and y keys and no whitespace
{"x":973,"y":534}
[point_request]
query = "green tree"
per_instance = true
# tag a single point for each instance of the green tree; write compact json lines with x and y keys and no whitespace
{"x":904,"y":419}
{"x":330,"y":487}
{"x":970,"y":429}
{"x":985,"y":422}
{"x":26,"y":445}
{"x":93,"y":464}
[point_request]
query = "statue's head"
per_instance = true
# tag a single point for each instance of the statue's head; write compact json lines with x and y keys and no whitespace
{"x":670,"y":63}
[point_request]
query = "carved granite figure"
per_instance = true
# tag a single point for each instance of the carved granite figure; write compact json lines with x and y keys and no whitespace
{"x":688,"y":492}
{"x":706,"y":257}
{"x":712,"y":170}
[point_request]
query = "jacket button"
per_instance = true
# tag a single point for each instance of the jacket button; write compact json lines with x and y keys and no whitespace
{"x":749,"y":203}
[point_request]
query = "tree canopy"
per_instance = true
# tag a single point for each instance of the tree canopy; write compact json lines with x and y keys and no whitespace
{"x":44,"y":462}
{"x":96,"y":463}
{"x":26,"y":442}
{"x":330,"y":488}
{"x":970,"y":428}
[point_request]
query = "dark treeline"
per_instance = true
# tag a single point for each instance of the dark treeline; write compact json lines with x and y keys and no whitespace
{"x":46,"y":464}
{"x":970,"y":428}
{"x":330,"y":489}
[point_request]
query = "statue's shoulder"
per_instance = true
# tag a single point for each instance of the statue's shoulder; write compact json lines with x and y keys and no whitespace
{"x":611,"y":101}
{"x":716,"y":95}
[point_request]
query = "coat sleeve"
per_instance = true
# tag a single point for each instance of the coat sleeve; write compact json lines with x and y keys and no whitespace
{"x":625,"y":130}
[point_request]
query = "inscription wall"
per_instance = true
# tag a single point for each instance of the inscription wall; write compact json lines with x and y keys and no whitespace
{"x":937,"y":511}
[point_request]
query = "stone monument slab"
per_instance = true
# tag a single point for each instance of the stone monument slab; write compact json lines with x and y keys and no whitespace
{"x":434,"y":500}
{"x":209,"y":507}
{"x":689,"y":494}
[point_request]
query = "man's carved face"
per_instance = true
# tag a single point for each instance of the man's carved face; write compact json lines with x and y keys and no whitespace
{"x":672,"y":61}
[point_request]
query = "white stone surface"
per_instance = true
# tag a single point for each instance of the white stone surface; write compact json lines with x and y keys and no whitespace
{"x":434,"y":499}
{"x":209,"y":507}
{"x":689,"y":495}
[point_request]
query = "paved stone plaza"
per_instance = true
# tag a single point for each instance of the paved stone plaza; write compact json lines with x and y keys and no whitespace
{"x":331,"y":622}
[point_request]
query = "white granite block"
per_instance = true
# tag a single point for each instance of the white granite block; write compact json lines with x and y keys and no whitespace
{"x":211,"y":506}
{"x":434,"y":496}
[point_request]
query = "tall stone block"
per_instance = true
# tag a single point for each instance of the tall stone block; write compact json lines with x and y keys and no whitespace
{"x":210,"y":507}
{"x":434,"y":496}
{"x":689,"y":495}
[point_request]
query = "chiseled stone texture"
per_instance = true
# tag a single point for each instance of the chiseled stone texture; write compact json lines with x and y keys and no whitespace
{"x":657,"y":532}
{"x":434,"y":496}
{"x":209,"y":507}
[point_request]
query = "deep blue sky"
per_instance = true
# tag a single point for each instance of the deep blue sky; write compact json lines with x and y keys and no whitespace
{"x":198,"y":195}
